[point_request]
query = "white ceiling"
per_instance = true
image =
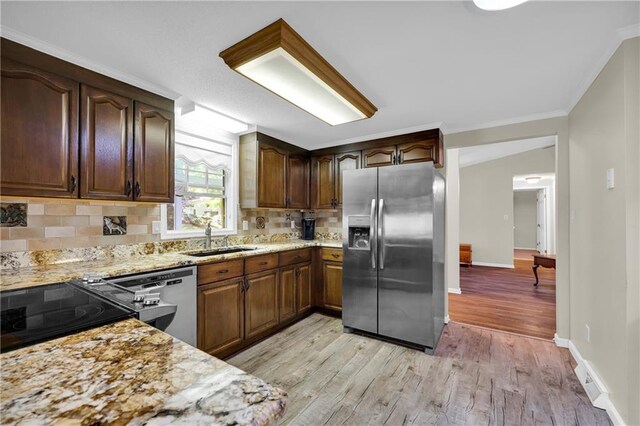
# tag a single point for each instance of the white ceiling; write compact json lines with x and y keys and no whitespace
{"x":423,"y":64}
{"x":472,"y":155}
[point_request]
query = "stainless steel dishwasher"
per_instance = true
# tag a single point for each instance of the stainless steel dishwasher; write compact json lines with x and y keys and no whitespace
{"x":176,"y":286}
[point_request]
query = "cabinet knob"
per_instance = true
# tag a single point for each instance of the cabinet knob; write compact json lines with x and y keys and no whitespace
{"x":137,"y":189}
{"x":128,"y":190}
{"x":73,"y":183}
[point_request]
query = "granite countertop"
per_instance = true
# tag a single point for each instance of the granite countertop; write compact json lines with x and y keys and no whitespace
{"x":130,"y":373}
{"x":11,"y":279}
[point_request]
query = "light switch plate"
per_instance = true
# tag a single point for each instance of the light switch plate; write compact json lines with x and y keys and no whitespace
{"x":245,"y":225}
{"x":610,"y":179}
{"x":155,"y":227}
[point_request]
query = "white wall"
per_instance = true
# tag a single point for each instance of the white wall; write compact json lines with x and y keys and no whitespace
{"x":525,"y":219}
{"x":603,"y":134}
{"x":452,"y":221}
{"x":486,"y":203}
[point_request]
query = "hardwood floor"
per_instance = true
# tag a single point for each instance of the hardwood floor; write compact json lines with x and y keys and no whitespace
{"x":505,"y":299}
{"x":476,"y":376}
{"x":524,"y":254}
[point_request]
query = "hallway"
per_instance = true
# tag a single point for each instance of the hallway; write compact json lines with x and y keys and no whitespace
{"x":505,"y":299}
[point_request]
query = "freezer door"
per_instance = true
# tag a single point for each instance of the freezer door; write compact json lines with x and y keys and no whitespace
{"x":405,"y":240}
{"x":359,"y":274}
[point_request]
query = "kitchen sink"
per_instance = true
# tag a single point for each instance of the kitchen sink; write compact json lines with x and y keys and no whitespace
{"x":217,"y":251}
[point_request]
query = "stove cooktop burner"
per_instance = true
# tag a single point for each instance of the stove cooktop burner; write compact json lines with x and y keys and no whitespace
{"x":37,"y":314}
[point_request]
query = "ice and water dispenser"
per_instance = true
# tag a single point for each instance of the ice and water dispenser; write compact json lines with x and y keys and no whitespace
{"x":359,"y":231}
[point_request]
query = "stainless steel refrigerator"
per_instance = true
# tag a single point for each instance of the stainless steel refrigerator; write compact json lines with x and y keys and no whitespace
{"x":393,"y":248}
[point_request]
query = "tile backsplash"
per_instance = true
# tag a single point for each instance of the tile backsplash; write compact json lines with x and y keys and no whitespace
{"x":67,"y":224}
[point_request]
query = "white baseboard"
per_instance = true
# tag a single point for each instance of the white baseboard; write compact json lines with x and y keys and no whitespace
{"x":561,"y":342}
{"x":455,"y":290}
{"x":593,"y":385}
{"x":493,"y":265}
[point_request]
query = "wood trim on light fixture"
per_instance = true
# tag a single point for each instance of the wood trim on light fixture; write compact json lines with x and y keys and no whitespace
{"x":280,"y":34}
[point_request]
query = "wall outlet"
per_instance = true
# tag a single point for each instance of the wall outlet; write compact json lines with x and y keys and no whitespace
{"x":155,"y":227}
{"x":587,"y":333}
{"x":245,"y":225}
{"x":293,"y":224}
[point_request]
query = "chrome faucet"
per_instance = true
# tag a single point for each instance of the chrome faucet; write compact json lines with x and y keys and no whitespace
{"x":207,"y":235}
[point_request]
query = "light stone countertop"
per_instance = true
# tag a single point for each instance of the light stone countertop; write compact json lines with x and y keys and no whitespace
{"x":11,"y":279}
{"x":130,"y":373}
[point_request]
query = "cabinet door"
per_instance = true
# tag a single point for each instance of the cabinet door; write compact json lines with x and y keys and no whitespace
{"x":323,"y":182}
{"x":272,"y":176}
{"x":347,"y":161}
{"x":106,"y":145}
{"x":154,"y":155}
{"x":220,"y":316}
{"x":377,"y":157}
{"x":332,"y":280}
{"x":287,"y":293}
{"x":303,"y":288}
{"x":261,"y":303}
{"x":298,"y":182}
{"x":416,"y":152}
{"x":39,"y":139}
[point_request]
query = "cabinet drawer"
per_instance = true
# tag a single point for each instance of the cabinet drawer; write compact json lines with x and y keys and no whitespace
{"x":295,"y":256}
{"x":261,"y":263}
{"x":220,"y":271}
{"x":332,"y":254}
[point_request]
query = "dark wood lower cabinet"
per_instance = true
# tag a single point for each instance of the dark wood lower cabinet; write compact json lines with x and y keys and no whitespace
{"x":234,"y":313}
{"x":287,"y":295}
{"x":332,"y":285}
{"x":221,"y":316}
{"x":261,"y":302}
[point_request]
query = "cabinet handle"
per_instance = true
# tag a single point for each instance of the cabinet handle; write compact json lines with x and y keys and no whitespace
{"x":393,"y":159}
{"x":335,"y":255}
{"x":73,"y":183}
{"x":128,"y":190}
{"x":263,"y":263}
{"x":246,"y":285}
{"x":137,"y":189}
{"x":223,"y":271}
{"x":298,"y":257}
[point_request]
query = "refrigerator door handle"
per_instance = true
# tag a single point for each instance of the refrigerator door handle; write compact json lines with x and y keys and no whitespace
{"x":372,"y":239}
{"x":381,"y":232}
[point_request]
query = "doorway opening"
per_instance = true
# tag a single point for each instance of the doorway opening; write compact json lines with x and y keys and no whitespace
{"x":506,"y":225}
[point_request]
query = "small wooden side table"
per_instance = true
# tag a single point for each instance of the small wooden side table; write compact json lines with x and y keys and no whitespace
{"x":545,"y":260}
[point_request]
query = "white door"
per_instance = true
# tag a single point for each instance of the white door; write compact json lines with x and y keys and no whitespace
{"x":542,"y":221}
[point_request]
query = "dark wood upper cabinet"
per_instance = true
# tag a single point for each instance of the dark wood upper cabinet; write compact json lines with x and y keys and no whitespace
{"x":378,"y":157}
{"x":39,"y":132}
{"x":106,"y":148}
{"x":298,"y":182}
{"x":323,"y":182}
{"x":154,"y":157}
{"x":346,"y":161}
{"x":416,"y":152}
{"x":272,"y":176}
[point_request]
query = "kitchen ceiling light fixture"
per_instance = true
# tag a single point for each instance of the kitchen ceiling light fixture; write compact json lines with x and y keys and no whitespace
{"x":207,"y":116}
{"x":533,"y":179}
{"x":280,"y":60}
{"x":493,"y":5}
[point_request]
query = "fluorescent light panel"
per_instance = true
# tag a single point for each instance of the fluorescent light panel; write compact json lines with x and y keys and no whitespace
{"x":284,"y":75}
{"x":209,"y":117}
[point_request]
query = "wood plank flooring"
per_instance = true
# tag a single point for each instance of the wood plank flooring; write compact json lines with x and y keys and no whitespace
{"x":475,"y":377}
{"x":505,"y":299}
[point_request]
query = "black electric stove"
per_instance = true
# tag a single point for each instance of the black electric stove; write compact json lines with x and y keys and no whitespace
{"x":37,"y":314}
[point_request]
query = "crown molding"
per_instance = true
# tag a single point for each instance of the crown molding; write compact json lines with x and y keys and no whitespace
{"x":628,"y":32}
{"x":50,"y":49}
{"x":396,"y":132}
{"x":497,"y":123}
